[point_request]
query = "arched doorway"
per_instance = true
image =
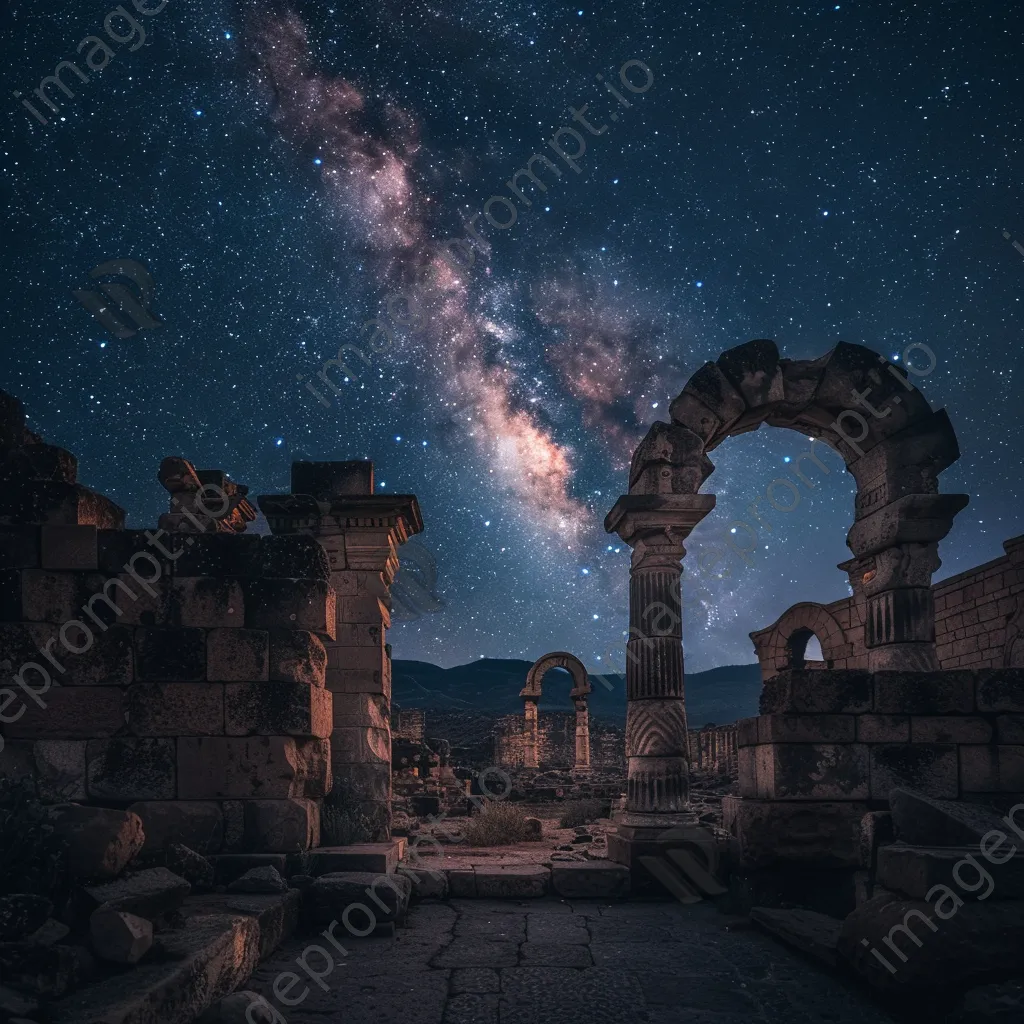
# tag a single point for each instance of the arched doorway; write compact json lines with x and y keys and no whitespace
{"x":894,"y":445}
{"x":531,"y":694}
{"x":787,"y":643}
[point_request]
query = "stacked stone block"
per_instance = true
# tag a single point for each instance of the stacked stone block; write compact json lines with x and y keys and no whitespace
{"x":829,"y":747}
{"x":181,"y":675}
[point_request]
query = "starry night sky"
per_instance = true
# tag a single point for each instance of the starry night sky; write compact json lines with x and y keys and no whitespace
{"x":804,"y":172}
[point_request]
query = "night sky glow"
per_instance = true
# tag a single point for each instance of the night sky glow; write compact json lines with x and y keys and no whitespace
{"x":803,"y":172}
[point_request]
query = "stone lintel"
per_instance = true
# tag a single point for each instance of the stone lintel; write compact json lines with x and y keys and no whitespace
{"x":633,"y":515}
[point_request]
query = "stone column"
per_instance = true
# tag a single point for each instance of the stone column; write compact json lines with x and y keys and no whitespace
{"x":582,"y":735}
{"x":531,"y":735}
{"x":655,"y":526}
{"x":897,"y":551}
{"x":361,"y":532}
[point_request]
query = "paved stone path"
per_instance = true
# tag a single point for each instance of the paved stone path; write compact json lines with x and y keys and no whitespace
{"x":547,"y":962}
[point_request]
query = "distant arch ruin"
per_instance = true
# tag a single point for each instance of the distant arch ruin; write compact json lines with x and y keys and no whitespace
{"x":531,"y":694}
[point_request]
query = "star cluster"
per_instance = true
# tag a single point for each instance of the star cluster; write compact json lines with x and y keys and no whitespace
{"x":309,"y":186}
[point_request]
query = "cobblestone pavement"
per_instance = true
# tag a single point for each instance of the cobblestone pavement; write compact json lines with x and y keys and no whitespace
{"x":547,"y":962}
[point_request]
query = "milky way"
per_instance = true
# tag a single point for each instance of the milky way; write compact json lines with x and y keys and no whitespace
{"x":292,"y":174}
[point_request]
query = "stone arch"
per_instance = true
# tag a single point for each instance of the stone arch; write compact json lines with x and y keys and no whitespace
{"x":894,"y":445}
{"x":531,"y":694}
{"x":781,"y":645}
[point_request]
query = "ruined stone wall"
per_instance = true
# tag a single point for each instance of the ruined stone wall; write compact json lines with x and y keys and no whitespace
{"x":979,"y":619}
{"x":408,"y":724}
{"x":557,"y":741}
{"x":180,"y":675}
{"x":713,"y":749}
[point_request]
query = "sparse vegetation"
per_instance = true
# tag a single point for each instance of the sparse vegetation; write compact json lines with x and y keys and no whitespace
{"x":498,"y":824}
{"x":583,"y":812}
{"x":31,"y":860}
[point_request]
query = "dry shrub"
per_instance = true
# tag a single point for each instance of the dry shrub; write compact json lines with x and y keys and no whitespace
{"x":583,"y":812}
{"x":498,"y":824}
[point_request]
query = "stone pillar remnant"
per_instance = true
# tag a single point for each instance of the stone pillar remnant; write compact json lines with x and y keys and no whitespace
{"x":361,"y":533}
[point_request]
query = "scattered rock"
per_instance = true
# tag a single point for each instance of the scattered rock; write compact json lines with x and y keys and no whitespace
{"x":806,"y":930}
{"x":534,"y":828}
{"x":301,"y":881}
{"x":192,"y":866}
{"x":119,"y":937}
{"x":147,"y":894}
{"x":21,"y":914}
{"x":49,"y":933}
{"x":266,"y":879}
{"x":584,"y":838}
{"x":100,"y":842}
{"x":921,"y":820}
{"x":16,"y":1004}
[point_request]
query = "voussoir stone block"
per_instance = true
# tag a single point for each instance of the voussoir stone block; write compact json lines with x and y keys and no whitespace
{"x":291,"y":604}
{"x":277,"y":709}
{"x":126,"y":769}
{"x":924,"y":693}
{"x":233,"y":655}
{"x":806,"y":691}
{"x":929,"y":768}
{"x":266,"y":767}
{"x":297,"y":656}
{"x":812,"y":771}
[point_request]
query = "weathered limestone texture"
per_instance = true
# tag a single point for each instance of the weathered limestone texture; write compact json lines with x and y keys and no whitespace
{"x":334,"y":502}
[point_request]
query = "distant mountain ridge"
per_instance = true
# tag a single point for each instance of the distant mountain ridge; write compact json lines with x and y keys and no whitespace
{"x":492,"y":685}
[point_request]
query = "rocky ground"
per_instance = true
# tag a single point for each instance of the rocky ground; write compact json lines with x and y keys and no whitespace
{"x":550,"y":962}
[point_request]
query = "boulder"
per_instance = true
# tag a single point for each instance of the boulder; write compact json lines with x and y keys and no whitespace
{"x":916,"y":946}
{"x":927,"y":821}
{"x":119,"y":937}
{"x":534,"y":828}
{"x":21,"y":914}
{"x":100,"y":842}
{"x":192,"y":866}
{"x":259,"y":880}
{"x":50,"y":933}
{"x":147,"y":894}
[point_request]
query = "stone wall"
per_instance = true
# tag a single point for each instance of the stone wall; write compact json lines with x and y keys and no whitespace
{"x":979,"y":617}
{"x":556,"y":734}
{"x":829,"y":746}
{"x":714,"y":749}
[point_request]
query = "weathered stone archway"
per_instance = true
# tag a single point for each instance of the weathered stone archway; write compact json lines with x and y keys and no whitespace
{"x":782,"y":644}
{"x":531,"y":694}
{"x":895,"y":446}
